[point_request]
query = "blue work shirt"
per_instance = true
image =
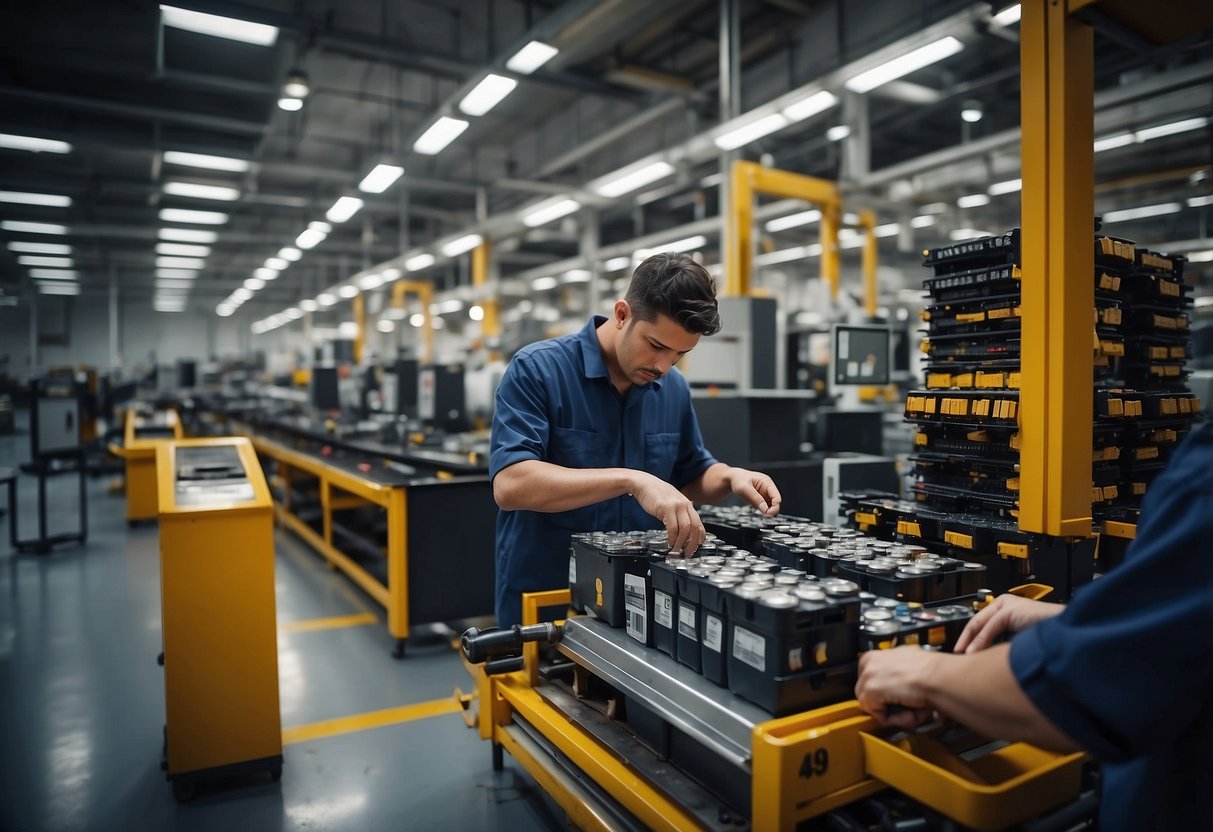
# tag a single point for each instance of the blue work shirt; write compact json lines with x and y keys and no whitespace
{"x":556,"y":404}
{"x":1127,"y":669}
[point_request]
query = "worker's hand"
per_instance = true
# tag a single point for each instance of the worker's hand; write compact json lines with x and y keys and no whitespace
{"x":1008,"y":614}
{"x":891,"y":688}
{"x":755,"y":488}
{"x":684,"y":529}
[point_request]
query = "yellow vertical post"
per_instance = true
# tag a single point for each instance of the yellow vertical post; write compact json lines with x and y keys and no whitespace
{"x":831,"y":216}
{"x":1057,"y":114}
{"x":490,"y":326}
{"x":360,"y":320}
{"x":867,"y":221}
{"x":740,"y":227}
{"x":398,"y":564}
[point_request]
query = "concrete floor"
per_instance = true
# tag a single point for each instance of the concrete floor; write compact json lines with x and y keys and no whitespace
{"x":82,"y":699}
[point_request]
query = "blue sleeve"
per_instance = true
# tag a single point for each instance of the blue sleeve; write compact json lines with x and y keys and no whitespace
{"x":1129,"y":663}
{"x":693,"y":457}
{"x":520,"y":421}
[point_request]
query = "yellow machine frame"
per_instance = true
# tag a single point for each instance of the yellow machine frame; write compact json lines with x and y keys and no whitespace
{"x":220,"y":629}
{"x":139,"y":457}
{"x":425,"y":294}
{"x":789,"y":783}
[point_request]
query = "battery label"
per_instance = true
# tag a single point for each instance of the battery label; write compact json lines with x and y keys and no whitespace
{"x":634,"y":604}
{"x":663,"y":609}
{"x":750,"y":648}
{"x":796,"y":659}
{"x":686,"y":622}
{"x":713,"y":632}
{"x":572,"y":569}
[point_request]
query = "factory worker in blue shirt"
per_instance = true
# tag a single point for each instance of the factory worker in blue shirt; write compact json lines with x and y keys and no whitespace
{"x":595,"y":431}
{"x":1124,"y":672}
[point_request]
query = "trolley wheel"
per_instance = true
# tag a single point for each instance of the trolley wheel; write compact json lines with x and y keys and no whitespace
{"x":398,"y":650}
{"x":276,"y":773}
{"x":184,"y":790}
{"x":498,"y":757}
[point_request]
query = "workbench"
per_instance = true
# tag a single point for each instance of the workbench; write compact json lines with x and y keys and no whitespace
{"x":142,"y":434}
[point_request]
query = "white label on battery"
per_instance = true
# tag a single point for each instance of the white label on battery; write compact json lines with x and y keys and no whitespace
{"x":750,"y":648}
{"x":686,"y":622}
{"x":713,"y":632}
{"x":634,"y":603}
{"x":795,"y":660}
{"x":663,"y":609}
{"x":572,"y":569}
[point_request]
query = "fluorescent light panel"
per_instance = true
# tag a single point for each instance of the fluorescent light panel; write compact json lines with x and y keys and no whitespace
{"x":254,"y":284}
{"x":195,"y":190}
{"x":1008,"y":187}
{"x":530,"y":57}
{"x":289,"y":253}
{"x":747,"y":133}
{"x":548,"y":211}
{"x":348,"y":291}
{"x":542,"y":284}
{"x":973,"y":201}
{"x":922,"y":221}
{"x":380,"y":178}
{"x":1008,"y":16}
{"x":24,"y":198}
{"x":182,"y":250}
{"x":370,"y":281}
{"x":21,"y":227}
{"x":487,"y":94}
{"x":308,"y":305}
{"x":837,"y":133}
{"x":441,"y":133}
{"x":343,"y":209}
{"x":40,"y":248}
{"x":58,"y":289}
{"x":187,"y":235}
{"x":187,"y":274}
{"x":1200,"y":201}
{"x":278,"y":264}
{"x":623,"y":183}
{"x":52,"y":262}
{"x":180,"y":263}
{"x":1109,"y":142}
{"x":462,"y":244}
{"x":291,"y":105}
{"x":793,"y":220}
{"x":309,"y":239}
{"x":205,"y":161}
{"x":617,"y":264}
{"x":686,"y":244}
{"x":420,"y":261}
{"x":905,"y":64}
{"x":1143,"y":212}
{"x":265,"y":273}
{"x":168,"y":283}
{"x":53,"y":274}
{"x":193,"y":217}
{"x":10,"y":141}
{"x":1160,"y":130}
{"x":810,"y":105}
{"x":231,"y":28}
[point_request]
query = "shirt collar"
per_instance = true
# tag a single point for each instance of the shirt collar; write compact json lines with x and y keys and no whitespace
{"x":591,"y":353}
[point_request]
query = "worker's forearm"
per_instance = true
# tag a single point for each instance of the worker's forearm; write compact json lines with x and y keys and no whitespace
{"x":533,"y":485}
{"x":712,"y":486}
{"x":979,"y":690}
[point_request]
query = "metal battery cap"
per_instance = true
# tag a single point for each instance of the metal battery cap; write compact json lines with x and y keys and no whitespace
{"x":877,"y":614}
{"x":778,"y":598}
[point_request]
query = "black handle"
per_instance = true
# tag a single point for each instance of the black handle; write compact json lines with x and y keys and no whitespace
{"x":502,"y":648}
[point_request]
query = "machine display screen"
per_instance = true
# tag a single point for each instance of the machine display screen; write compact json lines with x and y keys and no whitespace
{"x":860,"y":355}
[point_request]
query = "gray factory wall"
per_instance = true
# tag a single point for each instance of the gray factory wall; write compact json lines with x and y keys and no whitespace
{"x":84,"y":324}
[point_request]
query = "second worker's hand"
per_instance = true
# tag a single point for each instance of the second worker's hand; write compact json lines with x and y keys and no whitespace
{"x":684,"y":529}
{"x":1009,"y":614}
{"x":890,"y":686}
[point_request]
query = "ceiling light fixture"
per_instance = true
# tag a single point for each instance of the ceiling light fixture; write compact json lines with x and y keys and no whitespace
{"x":278,"y":264}
{"x":616,"y":264}
{"x":629,"y":179}
{"x":972,"y":112}
{"x":1008,"y":187}
{"x":224,"y":311}
{"x":462,"y":244}
{"x":325,"y":299}
{"x":384,"y":325}
{"x":1008,"y":16}
{"x":973,"y":201}
{"x":418,"y":262}
{"x":291,"y":105}
{"x":530,"y":57}
{"x":290,"y":253}
{"x":308,"y":305}
{"x":245,"y":31}
{"x":476,"y":313}
{"x":197,"y":191}
{"x":296,"y":85}
{"x":380,"y":178}
{"x":195,"y":217}
{"x":686,"y":244}
{"x":441,"y":133}
{"x":549,"y":210}
{"x":186,"y":274}
{"x":9,"y":141}
{"x":187,"y":235}
{"x":487,"y":94}
{"x":22,"y":227}
{"x":309,"y":239}
{"x":348,"y":291}
{"x":922,"y":221}
{"x":58,"y":289}
{"x":746,"y":133}
{"x":905,"y":64}
{"x":793,"y":220}
{"x":52,"y":262}
{"x":205,"y":161}
{"x":810,"y":105}
{"x":254,"y":284}
{"x":22,"y":198}
{"x":180,"y":263}
{"x":242,"y":294}
{"x":1143,"y":212}
{"x":265,"y":273}
{"x":371,"y":281}
{"x":54,"y":274}
{"x":543,"y":284}
{"x":343,"y":209}
{"x":40,"y":248}
{"x":837,"y":133}
{"x":1160,"y":130}
{"x":1200,"y":201}
{"x":967,"y":234}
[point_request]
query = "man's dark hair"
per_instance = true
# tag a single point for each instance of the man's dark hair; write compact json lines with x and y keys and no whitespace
{"x":676,"y":286}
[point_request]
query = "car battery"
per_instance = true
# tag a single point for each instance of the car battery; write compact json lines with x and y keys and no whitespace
{"x":665,"y":602}
{"x":925,"y":579}
{"x":609,"y":579}
{"x":714,"y":626}
{"x":783,"y":644}
{"x":886,"y":625}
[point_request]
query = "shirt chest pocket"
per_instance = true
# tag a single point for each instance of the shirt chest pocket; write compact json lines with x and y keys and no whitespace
{"x":572,"y":448}
{"x":661,"y":454}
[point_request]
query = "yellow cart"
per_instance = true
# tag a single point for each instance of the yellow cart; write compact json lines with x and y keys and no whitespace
{"x":143,"y":433}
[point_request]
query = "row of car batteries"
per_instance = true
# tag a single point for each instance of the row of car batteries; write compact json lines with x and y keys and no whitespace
{"x":967,"y":441}
{"x":781,"y":626}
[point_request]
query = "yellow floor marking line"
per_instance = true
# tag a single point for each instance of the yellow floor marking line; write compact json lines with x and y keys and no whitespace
{"x":373,"y":719}
{"x":332,"y":623}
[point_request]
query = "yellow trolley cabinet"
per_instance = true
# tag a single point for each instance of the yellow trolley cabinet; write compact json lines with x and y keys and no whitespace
{"x":143,"y":433}
{"x":776,"y":773}
{"x":217,"y":607}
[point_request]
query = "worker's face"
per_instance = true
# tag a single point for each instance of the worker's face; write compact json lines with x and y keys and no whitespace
{"x":648,"y":349}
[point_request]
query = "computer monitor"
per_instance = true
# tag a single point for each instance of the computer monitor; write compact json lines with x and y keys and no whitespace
{"x":325,"y":392}
{"x":862,"y":355}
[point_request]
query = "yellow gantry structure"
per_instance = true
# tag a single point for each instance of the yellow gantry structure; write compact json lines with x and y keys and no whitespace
{"x":424,"y":291}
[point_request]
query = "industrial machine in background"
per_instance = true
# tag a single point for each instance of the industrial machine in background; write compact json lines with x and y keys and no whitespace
{"x":56,"y":447}
{"x":217,"y":609}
